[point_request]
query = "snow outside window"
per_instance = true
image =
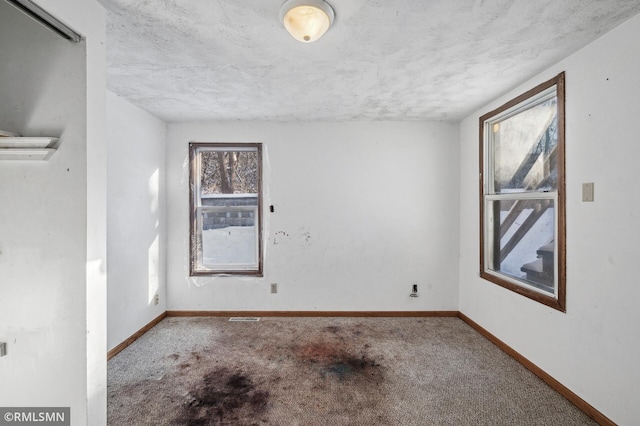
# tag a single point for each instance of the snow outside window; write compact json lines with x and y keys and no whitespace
{"x":522,"y":195}
{"x":226,"y":200}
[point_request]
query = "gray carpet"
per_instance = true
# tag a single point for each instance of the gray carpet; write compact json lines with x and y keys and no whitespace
{"x":326,"y":371}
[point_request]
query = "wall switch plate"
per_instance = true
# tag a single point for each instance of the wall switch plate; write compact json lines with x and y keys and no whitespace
{"x":274,"y":287}
{"x":587,"y":191}
{"x":3,"y":348}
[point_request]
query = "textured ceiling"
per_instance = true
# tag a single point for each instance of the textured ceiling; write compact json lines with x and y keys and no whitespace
{"x":423,"y":60}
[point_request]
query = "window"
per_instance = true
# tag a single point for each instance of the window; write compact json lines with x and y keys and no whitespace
{"x":226,"y":208}
{"x":522,"y":200}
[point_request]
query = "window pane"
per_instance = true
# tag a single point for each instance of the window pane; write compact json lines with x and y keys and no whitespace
{"x":229,"y":235}
{"x":521,"y":237}
{"x":525,"y":150}
{"x":229,"y":172}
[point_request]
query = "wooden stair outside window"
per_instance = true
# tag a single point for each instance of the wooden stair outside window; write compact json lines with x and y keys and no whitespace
{"x":541,"y":270}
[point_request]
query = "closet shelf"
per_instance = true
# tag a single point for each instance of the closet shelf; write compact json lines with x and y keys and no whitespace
{"x":27,"y":148}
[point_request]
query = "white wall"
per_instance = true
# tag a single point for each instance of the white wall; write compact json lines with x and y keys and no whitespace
{"x":594,"y":349}
{"x":43,"y":226}
{"x":51,"y":229}
{"x":136,"y":218}
{"x":366,"y":210}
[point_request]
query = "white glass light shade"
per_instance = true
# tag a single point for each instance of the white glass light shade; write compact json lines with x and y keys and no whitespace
{"x":306,"y":20}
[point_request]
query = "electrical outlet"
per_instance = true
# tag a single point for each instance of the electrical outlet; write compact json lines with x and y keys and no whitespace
{"x":274,"y":287}
{"x":156,"y":299}
{"x":3,"y":348}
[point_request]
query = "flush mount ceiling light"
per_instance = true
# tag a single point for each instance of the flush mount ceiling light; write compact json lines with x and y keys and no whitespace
{"x":306,"y":20}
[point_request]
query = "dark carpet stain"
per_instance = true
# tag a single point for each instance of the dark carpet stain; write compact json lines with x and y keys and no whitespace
{"x":317,"y":352}
{"x":347,"y":366}
{"x":333,"y":371}
{"x":224,"y":397}
{"x":332,"y":329}
{"x":340,"y":360}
